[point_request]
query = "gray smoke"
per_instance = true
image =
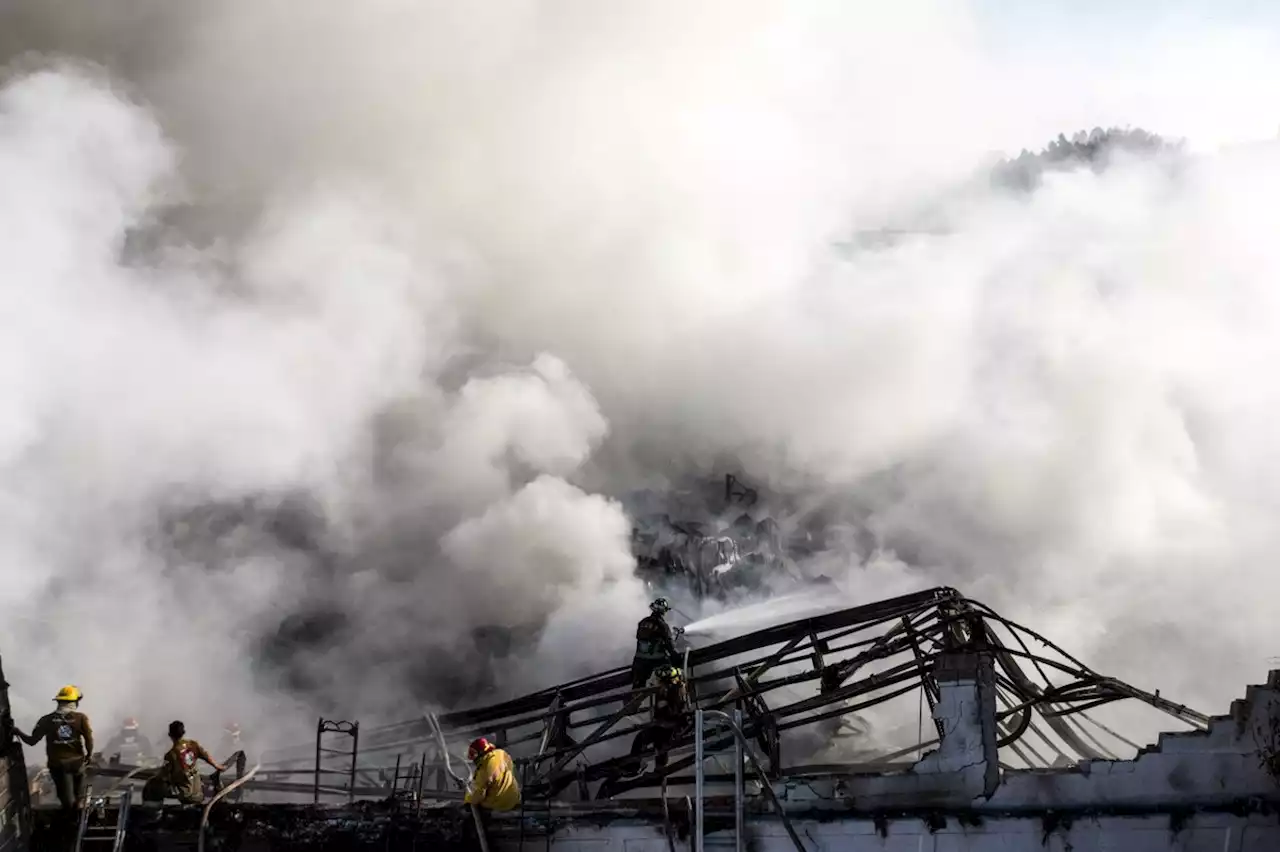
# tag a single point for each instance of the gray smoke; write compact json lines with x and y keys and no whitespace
{"x":330,"y":337}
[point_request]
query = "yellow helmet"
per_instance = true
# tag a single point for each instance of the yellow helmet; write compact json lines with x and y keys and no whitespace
{"x":68,"y":693}
{"x":670,"y":674}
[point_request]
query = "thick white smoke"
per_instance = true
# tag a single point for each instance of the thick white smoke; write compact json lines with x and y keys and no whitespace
{"x":457,"y":277}
{"x":174,"y":376}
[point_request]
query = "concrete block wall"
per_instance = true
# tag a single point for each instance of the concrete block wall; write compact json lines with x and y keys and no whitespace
{"x":964,"y":766}
{"x":1196,"y":833}
{"x":1200,"y":791}
{"x":1193,"y":768}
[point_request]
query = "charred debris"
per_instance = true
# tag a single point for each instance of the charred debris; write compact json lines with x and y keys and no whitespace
{"x":720,"y":541}
{"x":992,"y":698}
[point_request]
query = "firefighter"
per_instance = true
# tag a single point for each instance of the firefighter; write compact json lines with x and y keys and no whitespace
{"x":655,"y":644}
{"x":493,"y":786}
{"x":179,"y":777}
{"x":68,"y":740}
{"x":670,"y":719}
{"x":129,"y":744}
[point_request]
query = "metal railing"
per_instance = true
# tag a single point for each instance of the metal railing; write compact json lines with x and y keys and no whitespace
{"x":741,"y":752}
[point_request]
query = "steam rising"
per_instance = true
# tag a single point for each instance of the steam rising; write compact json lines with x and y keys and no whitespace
{"x":329,"y":341}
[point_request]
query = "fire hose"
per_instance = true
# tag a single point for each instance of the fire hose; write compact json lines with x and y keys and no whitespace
{"x":448,"y":766}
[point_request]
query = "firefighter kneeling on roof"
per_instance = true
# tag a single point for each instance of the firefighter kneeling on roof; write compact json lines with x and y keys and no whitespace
{"x":179,"y":775}
{"x":493,"y":786}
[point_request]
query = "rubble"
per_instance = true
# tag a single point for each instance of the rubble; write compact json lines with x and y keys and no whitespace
{"x":285,"y":828}
{"x":724,"y":545}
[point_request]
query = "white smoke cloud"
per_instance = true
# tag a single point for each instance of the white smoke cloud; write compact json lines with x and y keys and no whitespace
{"x":213,"y":378}
{"x":567,"y":554}
{"x":450,"y":275}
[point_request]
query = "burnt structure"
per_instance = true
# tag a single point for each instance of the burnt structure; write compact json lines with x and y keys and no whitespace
{"x":813,"y":675}
{"x":725,"y":542}
{"x":1008,"y":741}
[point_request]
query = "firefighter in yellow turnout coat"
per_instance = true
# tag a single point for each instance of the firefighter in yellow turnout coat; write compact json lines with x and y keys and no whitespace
{"x":493,"y":785}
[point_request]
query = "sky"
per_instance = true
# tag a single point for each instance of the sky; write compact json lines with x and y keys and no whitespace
{"x":1145,"y":62}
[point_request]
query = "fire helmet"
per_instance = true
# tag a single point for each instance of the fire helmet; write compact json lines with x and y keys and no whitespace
{"x":478,"y":747}
{"x":69,"y":692}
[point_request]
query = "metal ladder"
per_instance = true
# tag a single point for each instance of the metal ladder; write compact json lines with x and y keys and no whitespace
{"x":113,"y":834}
{"x":333,"y":726}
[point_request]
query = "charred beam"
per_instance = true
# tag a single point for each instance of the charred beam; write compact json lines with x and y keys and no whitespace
{"x":627,"y":709}
{"x":927,"y":682}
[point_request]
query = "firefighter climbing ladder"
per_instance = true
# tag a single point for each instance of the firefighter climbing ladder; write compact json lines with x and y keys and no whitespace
{"x":104,"y":833}
{"x":347,"y":729}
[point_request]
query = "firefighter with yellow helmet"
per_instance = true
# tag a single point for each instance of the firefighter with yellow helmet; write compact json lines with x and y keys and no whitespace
{"x":671,"y":719}
{"x":68,"y":740}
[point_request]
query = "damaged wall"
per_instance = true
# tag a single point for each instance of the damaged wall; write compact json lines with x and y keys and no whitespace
{"x":1233,"y":760}
{"x":1217,"y":790}
{"x":1159,"y":833}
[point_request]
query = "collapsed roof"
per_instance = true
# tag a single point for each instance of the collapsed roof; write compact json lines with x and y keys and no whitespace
{"x":808,"y":690}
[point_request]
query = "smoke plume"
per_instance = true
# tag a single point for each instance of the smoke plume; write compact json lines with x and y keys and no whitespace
{"x":332,"y":336}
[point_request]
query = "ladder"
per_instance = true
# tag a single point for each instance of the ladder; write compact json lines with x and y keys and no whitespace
{"x":104,"y":833}
{"x":407,"y":781}
{"x":349,"y":729}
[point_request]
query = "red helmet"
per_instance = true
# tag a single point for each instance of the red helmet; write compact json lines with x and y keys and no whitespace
{"x":130,"y":724}
{"x":478,"y":747}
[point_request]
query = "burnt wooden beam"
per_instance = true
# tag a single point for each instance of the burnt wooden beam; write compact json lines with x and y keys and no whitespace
{"x":745,"y":686}
{"x":930,"y":686}
{"x":817,"y":650}
{"x":627,"y":709}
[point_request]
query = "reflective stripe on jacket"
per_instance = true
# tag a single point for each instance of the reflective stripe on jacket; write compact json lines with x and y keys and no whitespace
{"x":494,"y":783}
